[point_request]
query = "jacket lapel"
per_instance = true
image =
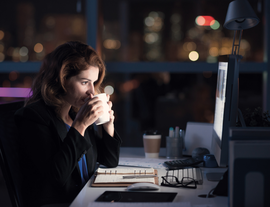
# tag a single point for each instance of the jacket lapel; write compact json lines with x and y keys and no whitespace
{"x":61,"y":128}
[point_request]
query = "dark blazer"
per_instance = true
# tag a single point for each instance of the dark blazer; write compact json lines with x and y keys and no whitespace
{"x":49,"y":155}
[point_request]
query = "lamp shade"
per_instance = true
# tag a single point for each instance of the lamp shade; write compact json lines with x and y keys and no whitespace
{"x":240,"y":16}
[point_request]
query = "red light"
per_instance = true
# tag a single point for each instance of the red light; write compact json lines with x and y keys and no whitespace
{"x":205,"y":20}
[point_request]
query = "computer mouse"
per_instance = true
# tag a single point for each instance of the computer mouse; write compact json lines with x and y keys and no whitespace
{"x":199,"y":152}
{"x":143,"y":186}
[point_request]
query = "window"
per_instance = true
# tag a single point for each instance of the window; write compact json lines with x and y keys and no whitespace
{"x":161,"y":55}
{"x":31,"y":29}
{"x":187,"y":30}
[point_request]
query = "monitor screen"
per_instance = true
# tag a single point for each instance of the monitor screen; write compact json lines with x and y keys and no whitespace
{"x":226,"y":106}
{"x":220,"y":99}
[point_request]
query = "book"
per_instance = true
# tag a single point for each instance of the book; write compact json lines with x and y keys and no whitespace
{"x":114,"y":177}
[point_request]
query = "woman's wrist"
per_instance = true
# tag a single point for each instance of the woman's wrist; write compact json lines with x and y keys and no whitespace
{"x":79,"y":127}
{"x":109,"y":129}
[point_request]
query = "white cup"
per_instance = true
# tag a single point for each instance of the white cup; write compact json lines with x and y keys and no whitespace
{"x":105,"y":116}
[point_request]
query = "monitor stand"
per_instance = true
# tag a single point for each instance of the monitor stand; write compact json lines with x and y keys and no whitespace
{"x":222,"y":186}
{"x":216,"y":176}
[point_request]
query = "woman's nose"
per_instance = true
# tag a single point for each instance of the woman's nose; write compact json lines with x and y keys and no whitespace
{"x":90,"y":90}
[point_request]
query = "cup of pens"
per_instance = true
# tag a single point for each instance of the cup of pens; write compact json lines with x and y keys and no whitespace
{"x":151,"y":143}
{"x":174,"y":143}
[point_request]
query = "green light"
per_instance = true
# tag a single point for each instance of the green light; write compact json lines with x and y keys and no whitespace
{"x":216,"y":25}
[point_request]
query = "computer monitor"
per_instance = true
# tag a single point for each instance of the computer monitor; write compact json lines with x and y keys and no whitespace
{"x":226,"y":107}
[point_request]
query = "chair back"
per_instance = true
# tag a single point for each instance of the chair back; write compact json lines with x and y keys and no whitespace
{"x":9,"y":157}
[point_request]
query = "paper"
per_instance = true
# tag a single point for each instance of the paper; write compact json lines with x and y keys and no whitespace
{"x":115,"y":176}
{"x":146,"y":162}
{"x":119,"y":179}
{"x":119,"y":170}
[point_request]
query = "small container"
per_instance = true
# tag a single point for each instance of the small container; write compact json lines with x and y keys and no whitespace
{"x":174,"y":147}
{"x":182,"y":136}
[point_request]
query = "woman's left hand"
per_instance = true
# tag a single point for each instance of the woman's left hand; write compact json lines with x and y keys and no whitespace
{"x":109,"y":126}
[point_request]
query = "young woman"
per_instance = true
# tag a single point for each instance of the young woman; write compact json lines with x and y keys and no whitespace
{"x":59,"y":142}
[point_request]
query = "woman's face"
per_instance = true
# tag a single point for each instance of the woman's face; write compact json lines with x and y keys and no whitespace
{"x":80,"y":87}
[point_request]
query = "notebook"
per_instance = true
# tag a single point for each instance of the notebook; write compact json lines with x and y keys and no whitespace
{"x":113,"y":177}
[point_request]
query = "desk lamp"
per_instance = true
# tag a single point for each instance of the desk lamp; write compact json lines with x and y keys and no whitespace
{"x":240,"y":16}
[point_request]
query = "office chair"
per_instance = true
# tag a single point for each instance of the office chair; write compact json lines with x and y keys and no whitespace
{"x":9,"y":158}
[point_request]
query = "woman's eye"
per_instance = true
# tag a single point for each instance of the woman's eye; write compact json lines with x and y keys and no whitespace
{"x":84,"y":83}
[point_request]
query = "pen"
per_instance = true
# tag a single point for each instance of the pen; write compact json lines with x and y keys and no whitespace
{"x":171,"y":132}
{"x":138,"y":176}
{"x":176,"y":132}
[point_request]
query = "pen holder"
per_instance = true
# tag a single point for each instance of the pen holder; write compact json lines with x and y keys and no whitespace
{"x":174,"y":147}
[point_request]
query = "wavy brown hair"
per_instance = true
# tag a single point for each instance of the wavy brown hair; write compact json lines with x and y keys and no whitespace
{"x":66,"y":61}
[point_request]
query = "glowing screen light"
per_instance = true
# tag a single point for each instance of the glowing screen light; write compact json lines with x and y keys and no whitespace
{"x":204,"y":20}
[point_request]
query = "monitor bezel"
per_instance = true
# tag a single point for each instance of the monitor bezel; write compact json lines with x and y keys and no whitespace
{"x":220,"y":146}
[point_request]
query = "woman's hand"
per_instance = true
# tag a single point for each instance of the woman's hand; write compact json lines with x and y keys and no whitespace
{"x":109,"y":126}
{"x":88,"y":114}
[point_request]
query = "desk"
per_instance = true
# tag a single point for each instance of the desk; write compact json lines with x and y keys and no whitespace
{"x":185,"y":196}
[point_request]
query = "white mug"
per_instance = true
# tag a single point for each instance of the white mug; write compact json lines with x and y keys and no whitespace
{"x":105,"y":117}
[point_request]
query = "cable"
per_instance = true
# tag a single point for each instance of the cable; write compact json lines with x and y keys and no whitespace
{"x":207,"y":196}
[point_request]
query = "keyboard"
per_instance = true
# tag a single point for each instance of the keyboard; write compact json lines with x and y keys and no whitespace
{"x":195,"y":173}
{"x":177,"y":164}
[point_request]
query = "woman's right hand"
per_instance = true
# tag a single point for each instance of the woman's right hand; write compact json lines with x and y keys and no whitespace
{"x":88,"y":114}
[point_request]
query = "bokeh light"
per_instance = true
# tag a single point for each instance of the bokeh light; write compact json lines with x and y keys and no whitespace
{"x":2,"y":57}
{"x":215,"y":25}
{"x":204,"y":20}
{"x":225,"y":51}
{"x":16,"y":54}
{"x":213,"y":51}
{"x":38,"y":48}
{"x":189,"y":46}
{"x":13,"y":75}
{"x":151,"y":37}
{"x":109,"y":89}
{"x":112,"y":44}
{"x":149,"y":21}
{"x":2,"y":47}
{"x":193,"y":56}
{"x":2,"y":34}
{"x":23,"y":51}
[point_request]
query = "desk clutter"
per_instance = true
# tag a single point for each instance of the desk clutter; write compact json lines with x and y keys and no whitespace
{"x":113,"y":177}
{"x":187,"y":177}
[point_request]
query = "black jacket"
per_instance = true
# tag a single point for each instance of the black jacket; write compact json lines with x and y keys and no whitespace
{"x":49,"y":155}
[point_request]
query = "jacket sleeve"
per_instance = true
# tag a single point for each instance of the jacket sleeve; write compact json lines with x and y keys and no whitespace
{"x":42,"y":149}
{"x":108,"y":149}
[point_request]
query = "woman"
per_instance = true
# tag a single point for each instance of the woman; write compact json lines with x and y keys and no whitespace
{"x":59,"y":141}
